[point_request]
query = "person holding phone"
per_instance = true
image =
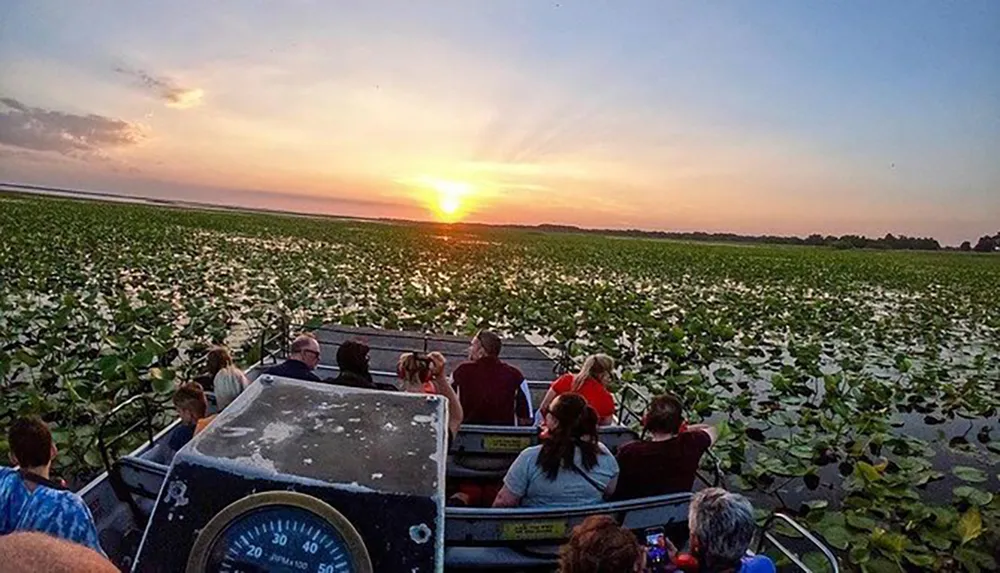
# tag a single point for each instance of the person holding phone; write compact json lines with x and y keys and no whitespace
{"x":424,"y":374}
{"x":600,"y":545}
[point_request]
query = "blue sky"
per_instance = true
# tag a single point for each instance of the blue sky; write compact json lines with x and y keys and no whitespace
{"x":753,"y":117}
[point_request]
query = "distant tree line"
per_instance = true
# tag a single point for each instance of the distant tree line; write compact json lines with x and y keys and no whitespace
{"x":986,"y":244}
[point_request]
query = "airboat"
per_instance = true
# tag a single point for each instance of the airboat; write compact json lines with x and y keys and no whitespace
{"x":310,"y":477}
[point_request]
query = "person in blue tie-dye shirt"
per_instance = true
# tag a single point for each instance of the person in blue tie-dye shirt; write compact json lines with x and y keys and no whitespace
{"x":30,"y":501}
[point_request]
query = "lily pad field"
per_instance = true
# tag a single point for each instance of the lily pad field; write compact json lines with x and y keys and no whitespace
{"x":856,"y":389}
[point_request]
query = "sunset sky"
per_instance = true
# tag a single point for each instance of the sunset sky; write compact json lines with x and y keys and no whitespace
{"x":785,"y":117}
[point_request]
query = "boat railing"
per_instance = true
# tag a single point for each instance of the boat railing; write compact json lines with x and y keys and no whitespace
{"x":768,"y":536}
{"x":140,"y":406}
{"x":422,"y":342}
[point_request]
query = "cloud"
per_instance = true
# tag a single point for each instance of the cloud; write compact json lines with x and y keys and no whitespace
{"x":82,"y":136}
{"x":173,"y":95}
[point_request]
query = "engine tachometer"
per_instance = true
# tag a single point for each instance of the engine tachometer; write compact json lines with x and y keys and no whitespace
{"x":279,"y":532}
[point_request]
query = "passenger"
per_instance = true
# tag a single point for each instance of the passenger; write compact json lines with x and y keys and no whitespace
{"x":570,"y":467}
{"x":228,"y":381}
{"x":667,"y":462}
{"x":302,"y":359}
{"x":600,"y":545}
{"x":31,"y":552}
{"x":591,"y":382}
{"x":192,"y":406}
{"x":352,"y":361}
{"x":722,"y":528}
{"x":491,"y":391}
{"x":30,"y":500}
{"x":424,"y":374}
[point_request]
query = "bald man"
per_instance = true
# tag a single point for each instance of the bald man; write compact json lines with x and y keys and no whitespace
{"x":27,"y":552}
{"x":302,"y":358}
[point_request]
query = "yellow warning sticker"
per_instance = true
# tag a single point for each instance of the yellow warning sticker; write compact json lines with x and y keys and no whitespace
{"x":506,"y":444}
{"x":534,"y":530}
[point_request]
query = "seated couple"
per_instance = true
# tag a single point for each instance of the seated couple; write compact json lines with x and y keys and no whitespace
{"x":571,"y":466}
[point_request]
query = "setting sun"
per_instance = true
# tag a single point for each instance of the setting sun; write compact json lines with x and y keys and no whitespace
{"x":448,"y":204}
{"x":446,"y":198}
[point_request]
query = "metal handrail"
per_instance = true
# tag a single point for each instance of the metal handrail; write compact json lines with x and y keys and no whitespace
{"x":717,"y":476}
{"x":103,"y":445}
{"x":117,"y":484}
{"x":624,"y":408}
{"x":767,"y":536}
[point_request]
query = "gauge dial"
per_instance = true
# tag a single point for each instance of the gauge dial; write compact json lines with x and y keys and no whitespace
{"x":279,"y":532}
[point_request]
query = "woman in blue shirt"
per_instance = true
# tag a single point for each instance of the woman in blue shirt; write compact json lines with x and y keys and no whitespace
{"x":570,"y":467}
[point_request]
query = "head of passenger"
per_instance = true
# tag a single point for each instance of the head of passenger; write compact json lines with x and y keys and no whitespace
{"x":218,"y":358}
{"x":305,"y":348}
{"x":600,"y":545}
{"x":25,"y":552}
{"x":191,"y":403}
{"x":664,"y":415}
{"x":722,"y":528}
{"x":571,"y":424}
{"x":599,"y":367}
{"x":228,"y":381}
{"x":486,"y":344}
{"x":31,"y":445}
{"x":352,"y":356}
{"x":416,"y":371}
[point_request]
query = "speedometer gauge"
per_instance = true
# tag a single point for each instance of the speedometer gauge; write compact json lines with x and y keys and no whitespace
{"x":279,"y":532}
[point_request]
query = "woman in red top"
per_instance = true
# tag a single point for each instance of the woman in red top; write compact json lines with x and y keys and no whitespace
{"x":591,"y":382}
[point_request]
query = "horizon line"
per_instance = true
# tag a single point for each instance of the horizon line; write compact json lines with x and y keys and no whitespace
{"x":31,"y":188}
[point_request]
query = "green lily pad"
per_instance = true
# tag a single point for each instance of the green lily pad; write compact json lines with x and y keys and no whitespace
{"x":881,"y":565}
{"x":938,"y":540}
{"x":859,"y":554}
{"x":816,"y":562}
{"x":970,"y":525}
{"x":817,"y":504}
{"x":975,"y":561}
{"x":969,"y":474}
{"x":837,"y":536}
{"x":860,"y":521}
{"x":973,"y":495}
{"x":919,"y":559}
{"x":892,"y":543}
{"x":867,"y":472}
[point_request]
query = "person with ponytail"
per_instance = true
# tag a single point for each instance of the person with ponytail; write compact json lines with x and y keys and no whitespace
{"x":592,"y":383}
{"x":424,"y":374}
{"x":228,"y":380}
{"x":569,"y":467}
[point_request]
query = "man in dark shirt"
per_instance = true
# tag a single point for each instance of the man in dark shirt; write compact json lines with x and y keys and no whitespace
{"x":352,"y":363}
{"x":302,"y":358}
{"x":668,"y":461}
{"x":490,"y":390}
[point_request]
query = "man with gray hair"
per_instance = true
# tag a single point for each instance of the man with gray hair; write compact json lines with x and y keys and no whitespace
{"x":303,"y":356}
{"x":722,"y":528}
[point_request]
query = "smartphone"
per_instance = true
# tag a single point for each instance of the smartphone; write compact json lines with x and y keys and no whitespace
{"x":656,"y":545}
